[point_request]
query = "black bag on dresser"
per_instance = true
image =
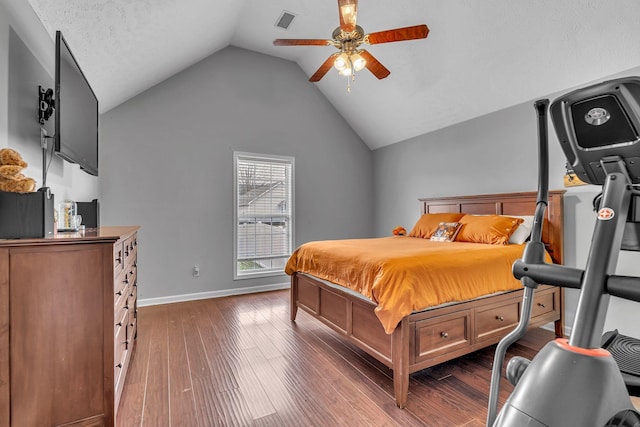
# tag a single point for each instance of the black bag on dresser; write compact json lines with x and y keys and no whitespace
{"x":26,"y":215}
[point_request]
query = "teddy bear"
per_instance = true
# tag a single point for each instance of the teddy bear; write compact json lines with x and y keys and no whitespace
{"x":11,"y":177}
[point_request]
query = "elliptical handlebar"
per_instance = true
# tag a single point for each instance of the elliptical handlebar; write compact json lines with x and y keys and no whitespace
{"x":541,"y":107}
{"x":533,"y":254}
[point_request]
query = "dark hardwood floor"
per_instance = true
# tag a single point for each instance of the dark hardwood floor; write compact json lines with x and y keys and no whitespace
{"x":239,"y":361}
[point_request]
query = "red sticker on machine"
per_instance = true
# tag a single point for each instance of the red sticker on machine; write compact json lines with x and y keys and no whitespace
{"x":606,"y":214}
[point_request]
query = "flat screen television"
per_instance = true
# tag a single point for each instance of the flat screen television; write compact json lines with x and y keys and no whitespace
{"x":76,"y":111}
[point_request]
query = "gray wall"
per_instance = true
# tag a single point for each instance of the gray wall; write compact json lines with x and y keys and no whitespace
{"x":495,"y":153}
{"x":26,"y":61}
{"x":167,"y":165}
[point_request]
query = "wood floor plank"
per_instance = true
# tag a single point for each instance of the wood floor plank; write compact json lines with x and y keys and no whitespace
{"x":156,"y":402}
{"x":272,"y":420}
{"x":131,"y":404}
{"x":240,"y":361}
{"x":181,"y":397}
{"x":221,"y":365}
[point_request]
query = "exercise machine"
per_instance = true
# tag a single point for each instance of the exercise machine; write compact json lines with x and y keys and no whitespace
{"x":576,"y":382}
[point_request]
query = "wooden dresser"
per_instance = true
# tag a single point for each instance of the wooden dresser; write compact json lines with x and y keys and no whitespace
{"x":67,"y":326}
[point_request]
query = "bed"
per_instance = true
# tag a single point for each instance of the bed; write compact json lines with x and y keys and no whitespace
{"x":430,"y":336}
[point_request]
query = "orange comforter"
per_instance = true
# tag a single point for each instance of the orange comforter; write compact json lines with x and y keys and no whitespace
{"x":405,"y":274}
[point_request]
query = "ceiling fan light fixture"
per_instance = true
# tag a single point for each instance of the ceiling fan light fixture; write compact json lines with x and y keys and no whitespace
{"x":346,"y":72}
{"x":342,"y":63}
{"x":358,"y":61}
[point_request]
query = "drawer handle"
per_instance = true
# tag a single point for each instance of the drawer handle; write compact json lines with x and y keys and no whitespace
{"x":540,"y":305}
{"x":119,"y":293}
{"x":444,"y":335}
{"x":119,"y":323}
{"x":119,"y":365}
{"x":119,"y":260}
{"x":500,"y":318}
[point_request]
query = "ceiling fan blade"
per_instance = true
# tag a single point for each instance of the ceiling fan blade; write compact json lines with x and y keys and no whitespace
{"x":348,"y":10}
{"x":398,"y":34}
{"x":373,"y":65}
{"x":302,"y":42}
{"x":326,"y":66}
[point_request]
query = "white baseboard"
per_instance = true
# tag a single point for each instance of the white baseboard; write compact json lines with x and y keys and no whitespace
{"x":212,"y":294}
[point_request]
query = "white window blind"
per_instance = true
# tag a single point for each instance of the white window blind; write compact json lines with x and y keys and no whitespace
{"x":264,"y":214}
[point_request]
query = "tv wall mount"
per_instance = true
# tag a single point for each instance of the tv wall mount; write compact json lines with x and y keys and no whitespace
{"x":46,"y":104}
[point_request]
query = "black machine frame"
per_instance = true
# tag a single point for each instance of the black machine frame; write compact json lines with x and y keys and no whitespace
{"x":575,"y":381}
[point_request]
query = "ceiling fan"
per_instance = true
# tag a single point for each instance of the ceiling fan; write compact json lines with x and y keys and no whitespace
{"x":348,"y":37}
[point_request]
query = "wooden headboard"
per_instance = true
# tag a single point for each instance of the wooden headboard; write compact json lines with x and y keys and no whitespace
{"x":509,"y":204}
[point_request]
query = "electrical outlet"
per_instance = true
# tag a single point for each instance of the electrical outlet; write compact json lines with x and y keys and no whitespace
{"x":196,"y":271}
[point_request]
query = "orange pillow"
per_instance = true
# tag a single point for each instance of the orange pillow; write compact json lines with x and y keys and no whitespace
{"x":428,"y":223}
{"x":491,"y":229}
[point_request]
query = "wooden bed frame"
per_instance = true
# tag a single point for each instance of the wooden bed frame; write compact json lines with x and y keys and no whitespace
{"x":427,"y":338}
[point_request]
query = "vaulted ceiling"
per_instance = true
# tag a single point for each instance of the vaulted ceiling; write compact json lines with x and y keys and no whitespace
{"x":480,"y":56}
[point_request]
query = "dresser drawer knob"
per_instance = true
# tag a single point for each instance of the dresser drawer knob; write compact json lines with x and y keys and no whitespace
{"x":119,"y":323}
{"x":540,"y":305}
{"x":119,"y":293}
{"x":119,"y":365}
{"x":444,"y":334}
{"x":500,"y":318}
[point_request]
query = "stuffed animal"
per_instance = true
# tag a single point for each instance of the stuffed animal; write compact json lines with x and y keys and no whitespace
{"x":11,"y":177}
{"x":399,"y":231}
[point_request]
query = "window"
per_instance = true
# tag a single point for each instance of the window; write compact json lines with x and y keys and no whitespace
{"x":263,"y":214}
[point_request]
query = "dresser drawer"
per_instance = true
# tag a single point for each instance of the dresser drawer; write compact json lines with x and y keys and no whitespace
{"x":118,"y":257}
{"x":121,"y":288}
{"x":543,"y":303}
{"x":494,"y":320}
{"x":120,"y":350}
{"x":121,"y":318}
{"x":129,"y":251}
{"x":442,"y":334}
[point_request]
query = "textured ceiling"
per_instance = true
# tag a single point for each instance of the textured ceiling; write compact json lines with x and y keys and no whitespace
{"x":480,"y":56}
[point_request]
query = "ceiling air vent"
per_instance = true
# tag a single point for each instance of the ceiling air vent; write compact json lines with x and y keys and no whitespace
{"x":285,"y":19}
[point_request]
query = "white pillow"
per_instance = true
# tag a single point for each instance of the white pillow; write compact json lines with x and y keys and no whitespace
{"x":523,"y":231}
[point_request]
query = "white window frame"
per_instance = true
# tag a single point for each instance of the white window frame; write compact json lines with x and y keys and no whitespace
{"x":243,"y":156}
